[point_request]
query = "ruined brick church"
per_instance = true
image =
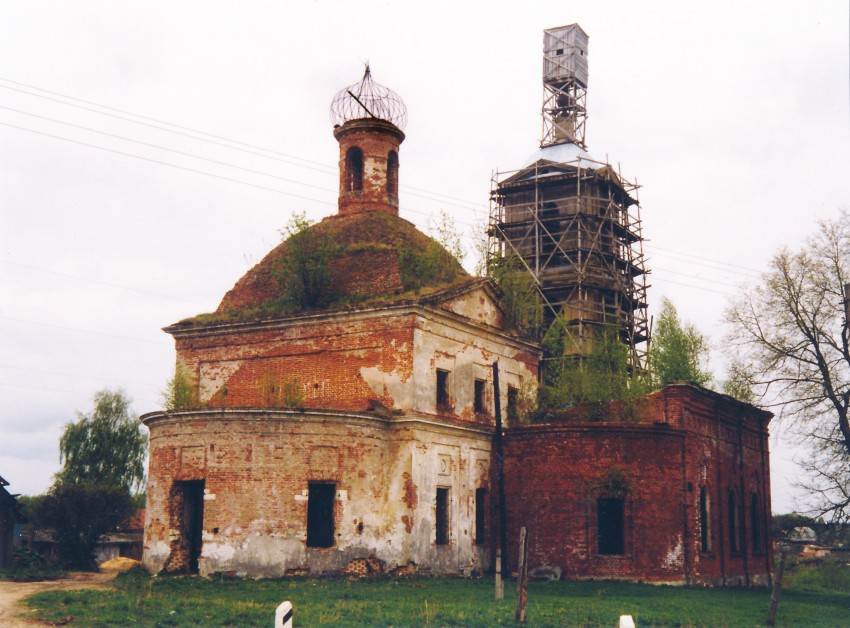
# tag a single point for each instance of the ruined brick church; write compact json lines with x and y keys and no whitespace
{"x":355,"y":420}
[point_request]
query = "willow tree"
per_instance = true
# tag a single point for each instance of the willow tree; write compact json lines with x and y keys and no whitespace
{"x":106,"y":447}
{"x":791,"y":331}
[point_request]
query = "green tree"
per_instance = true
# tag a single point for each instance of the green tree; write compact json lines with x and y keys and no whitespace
{"x":677,"y":351}
{"x":520,"y":299}
{"x":80,"y":514}
{"x":106,"y":447}
{"x":180,"y":391}
{"x":304,"y":269}
{"x":444,"y":231}
{"x":790,"y":329}
{"x":603,"y":375}
{"x":739,"y":382}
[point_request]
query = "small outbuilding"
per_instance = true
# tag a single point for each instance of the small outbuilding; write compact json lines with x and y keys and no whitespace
{"x":8,"y":516}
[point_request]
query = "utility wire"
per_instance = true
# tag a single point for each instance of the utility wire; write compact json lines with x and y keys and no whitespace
{"x":735,"y":268}
{"x":232,"y":144}
{"x":164,"y":163}
{"x":76,"y":376}
{"x":98,"y":281}
{"x":80,"y":330}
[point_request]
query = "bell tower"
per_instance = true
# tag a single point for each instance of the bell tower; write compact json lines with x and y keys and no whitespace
{"x":368,"y":120}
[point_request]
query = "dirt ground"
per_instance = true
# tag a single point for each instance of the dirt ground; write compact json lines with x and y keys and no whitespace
{"x":11,"y":593}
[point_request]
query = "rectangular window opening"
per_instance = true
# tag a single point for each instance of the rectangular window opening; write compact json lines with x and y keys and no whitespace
{"x":513,"y":398}
{"x":320,"y":514}
{"x":480,"y":388}
{"x":442,"y":389}
{"x":611,"y":525}
{"x":481,"y":516}
{"x":704,"y":520}
{"x":442,"y":516}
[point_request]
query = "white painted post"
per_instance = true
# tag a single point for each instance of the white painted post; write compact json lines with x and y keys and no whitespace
{"x":283,"y":616}
{"x":626,"y":621}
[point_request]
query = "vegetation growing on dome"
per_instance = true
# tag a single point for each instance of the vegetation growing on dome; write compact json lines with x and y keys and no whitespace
{"x":303,"y":271}
{"x":362,"y":260}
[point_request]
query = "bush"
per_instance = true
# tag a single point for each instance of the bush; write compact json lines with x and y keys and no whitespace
{"x":80,"y":514}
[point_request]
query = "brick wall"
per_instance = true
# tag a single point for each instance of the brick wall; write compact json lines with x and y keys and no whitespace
{"x":686,"y":438}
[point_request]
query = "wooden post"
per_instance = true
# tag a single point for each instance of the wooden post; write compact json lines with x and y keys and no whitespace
{"x":522,"y":577}
{"x":500,"y":584}
{"x":777,"y":587}
{"x":500,"y":469}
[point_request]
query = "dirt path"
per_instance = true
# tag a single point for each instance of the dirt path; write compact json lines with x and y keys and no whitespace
{"x":11,"y":593}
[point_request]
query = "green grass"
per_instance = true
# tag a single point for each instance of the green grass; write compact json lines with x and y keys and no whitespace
{"x":31,"y":574}
{"x":139,"y":600}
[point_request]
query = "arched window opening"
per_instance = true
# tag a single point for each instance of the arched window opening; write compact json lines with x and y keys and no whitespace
{"x":392,"y":173}
{"x":755,"y":523}
{"x":704,"y":519}
{"x":734,"y":524}
{"x":354,"y":169}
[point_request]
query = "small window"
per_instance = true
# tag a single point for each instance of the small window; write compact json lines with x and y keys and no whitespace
{"x":513,"y":398}
{"x":734,"y":524}
{"x":480,"y":387}
{"x":354,"y":169}
{"x":320,"y":514}
{"x":392,"y":173}
{"x":442,"y":516}
{"x":480,"y":516}
{"x":755,"y":523}
{"x":442,"y":389}
{"x":611,"y":525}
{"x":704,"y":519}
{"x":559,"y":51}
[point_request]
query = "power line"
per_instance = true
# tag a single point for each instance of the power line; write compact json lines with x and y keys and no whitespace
{"x":161,"y":128}
{"x":164,"y":163}
{"x":736,"y":268}
{"x":731,"y":267}
{"x":689,"y":285}
{"x":98,"y":281}
{"x":75,"y":375}
{"x":170,"y":150}
{"x":236,"y":144}
{"x":82,"y":331}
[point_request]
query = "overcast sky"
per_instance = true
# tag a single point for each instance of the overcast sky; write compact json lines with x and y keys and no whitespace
{"x":150,"y":152}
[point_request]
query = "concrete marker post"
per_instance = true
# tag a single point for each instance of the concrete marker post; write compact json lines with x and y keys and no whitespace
{"x":283,"y":615}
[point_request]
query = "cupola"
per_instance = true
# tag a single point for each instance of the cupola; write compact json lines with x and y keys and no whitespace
{"x":368,"y":121}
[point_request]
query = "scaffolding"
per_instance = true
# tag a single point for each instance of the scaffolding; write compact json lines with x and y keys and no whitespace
{"x":564,"y":85}
{"x":576,"y":227}
{"x":574,"y":222}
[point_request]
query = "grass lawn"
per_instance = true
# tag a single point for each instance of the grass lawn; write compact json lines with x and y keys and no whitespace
{"x":139,"y":600}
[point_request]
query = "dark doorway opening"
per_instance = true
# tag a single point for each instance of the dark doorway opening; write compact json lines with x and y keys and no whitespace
{"x":611,"y":525}
{"x":191,"y":493}
{"x":320,"y":514}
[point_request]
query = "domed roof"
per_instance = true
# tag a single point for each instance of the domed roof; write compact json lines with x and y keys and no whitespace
{"x":368,"y":99}
{"x":368,"y":261}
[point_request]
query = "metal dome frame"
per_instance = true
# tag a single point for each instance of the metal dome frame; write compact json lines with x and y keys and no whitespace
{"x":368,"y":99}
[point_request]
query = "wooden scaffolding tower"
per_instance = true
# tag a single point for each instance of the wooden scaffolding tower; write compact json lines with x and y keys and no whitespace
{"x":572,"y":221}
{"x":576,"y":228}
